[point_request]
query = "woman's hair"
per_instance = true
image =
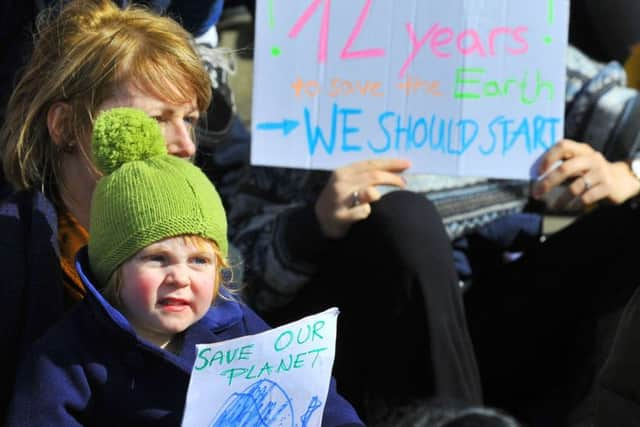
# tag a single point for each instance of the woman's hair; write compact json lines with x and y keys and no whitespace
{"x":83,"y":53}
{"x":112,"y":289}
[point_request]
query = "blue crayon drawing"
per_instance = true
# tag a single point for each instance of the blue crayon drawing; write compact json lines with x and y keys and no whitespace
{"x":313,"y":406}
{"x":262,"y":404}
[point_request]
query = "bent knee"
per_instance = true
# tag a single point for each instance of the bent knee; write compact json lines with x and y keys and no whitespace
{"x":405,"y":206}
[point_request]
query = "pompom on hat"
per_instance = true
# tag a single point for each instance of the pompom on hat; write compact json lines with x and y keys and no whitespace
{"x":146,"y":195}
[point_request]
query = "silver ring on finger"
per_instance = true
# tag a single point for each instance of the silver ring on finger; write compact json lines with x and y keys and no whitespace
{"x":355,"y":199}
{"x":587,"y":183}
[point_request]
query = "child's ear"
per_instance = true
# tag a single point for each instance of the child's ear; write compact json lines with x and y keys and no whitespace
{"x":57,"y":125}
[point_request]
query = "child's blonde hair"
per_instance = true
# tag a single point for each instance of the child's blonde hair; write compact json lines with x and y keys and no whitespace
{"x":81,"y":56}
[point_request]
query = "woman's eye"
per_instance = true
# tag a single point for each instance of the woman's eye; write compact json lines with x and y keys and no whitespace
{"x":191,"y":121}
{"x":159,"y":119}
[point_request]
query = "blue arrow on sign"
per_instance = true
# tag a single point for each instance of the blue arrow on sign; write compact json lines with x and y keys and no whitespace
{"x":285,"y":126}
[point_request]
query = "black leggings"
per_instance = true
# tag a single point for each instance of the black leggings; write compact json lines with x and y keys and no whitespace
{"x":402,"y":332}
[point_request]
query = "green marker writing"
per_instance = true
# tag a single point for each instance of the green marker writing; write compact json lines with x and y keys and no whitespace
{"x":275,"y":50}
{"x":547,"y":39}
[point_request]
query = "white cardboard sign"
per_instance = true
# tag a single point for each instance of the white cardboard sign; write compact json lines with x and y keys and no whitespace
{"x":459,"y":87}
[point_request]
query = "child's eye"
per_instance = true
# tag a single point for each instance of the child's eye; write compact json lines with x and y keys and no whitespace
{"x":155,"y":258}
{"x":201,"y":260}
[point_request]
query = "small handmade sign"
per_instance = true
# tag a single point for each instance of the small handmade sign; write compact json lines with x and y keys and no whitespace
{"x":273,"y":379}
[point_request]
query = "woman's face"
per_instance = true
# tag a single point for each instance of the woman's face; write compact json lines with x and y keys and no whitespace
{"x":176,"y":121}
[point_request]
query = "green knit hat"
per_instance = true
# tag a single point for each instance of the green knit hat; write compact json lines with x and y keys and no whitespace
{"x":146,"y":195}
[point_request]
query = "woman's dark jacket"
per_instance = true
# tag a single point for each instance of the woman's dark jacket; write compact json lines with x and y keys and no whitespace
{"x":31,"y":287}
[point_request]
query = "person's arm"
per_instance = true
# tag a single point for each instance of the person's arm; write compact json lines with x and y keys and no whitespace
{"x":283,"y":221}
{"x":272,"y":225}
{"x":47,"y":394}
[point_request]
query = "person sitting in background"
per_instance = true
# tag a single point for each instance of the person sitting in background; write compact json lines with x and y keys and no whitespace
{"x":284,"y":252}
{"x":543,"y":323}
{"x":312,"y":240}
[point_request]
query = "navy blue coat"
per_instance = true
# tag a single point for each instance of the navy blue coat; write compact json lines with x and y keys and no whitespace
{"x":31,"y":287}
{"x":92,"y":369}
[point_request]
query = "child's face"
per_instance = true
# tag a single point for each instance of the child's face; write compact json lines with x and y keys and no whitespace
{"x":166,"y":287}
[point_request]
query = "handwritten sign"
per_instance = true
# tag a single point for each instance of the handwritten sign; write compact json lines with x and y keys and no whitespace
{"x":459,"y":87}
{"x":277,"y":378}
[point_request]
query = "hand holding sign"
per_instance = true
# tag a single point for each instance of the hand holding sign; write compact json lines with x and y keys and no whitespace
{"x":588,"y":175}
{"x":347,"y":196}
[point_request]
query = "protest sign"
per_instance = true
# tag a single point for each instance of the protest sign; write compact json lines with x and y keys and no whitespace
{"x":459,"y":87}
{"x":276,"y":378}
